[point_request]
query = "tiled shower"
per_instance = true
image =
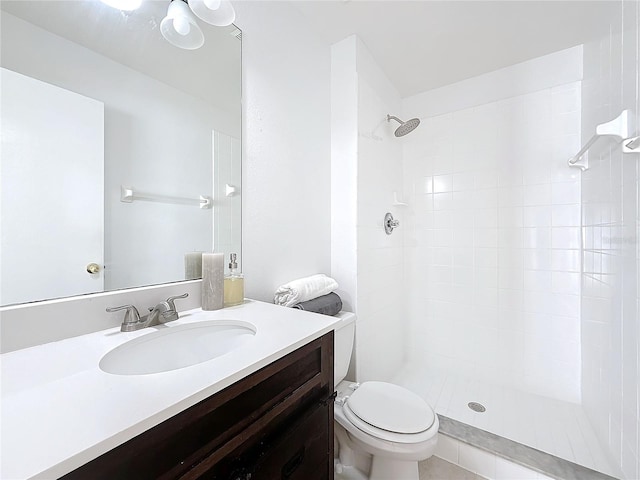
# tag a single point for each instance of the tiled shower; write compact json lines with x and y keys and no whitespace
{"x":523,"y":271}
{"x":493,"y":248}
{"x":513,"y":276}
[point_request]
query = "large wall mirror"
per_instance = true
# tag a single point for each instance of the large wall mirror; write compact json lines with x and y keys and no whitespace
{"x":121,"y":153}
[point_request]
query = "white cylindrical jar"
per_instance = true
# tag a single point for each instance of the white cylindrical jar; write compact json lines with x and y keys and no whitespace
{"x":212,"y":281}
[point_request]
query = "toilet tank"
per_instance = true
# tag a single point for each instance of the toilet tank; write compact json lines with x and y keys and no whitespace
{"x":344,"y":336}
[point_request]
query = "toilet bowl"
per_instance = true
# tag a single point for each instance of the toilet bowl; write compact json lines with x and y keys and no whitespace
{"x":382,"y":430}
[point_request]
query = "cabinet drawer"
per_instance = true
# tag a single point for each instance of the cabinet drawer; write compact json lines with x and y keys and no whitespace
{"x":215,"y":427}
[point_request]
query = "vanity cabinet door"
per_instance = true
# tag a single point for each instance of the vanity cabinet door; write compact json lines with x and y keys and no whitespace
{"x":301,"y":453}
{"x":299,"y":449}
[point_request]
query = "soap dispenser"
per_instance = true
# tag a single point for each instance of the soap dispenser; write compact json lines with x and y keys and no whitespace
{"x":233,"y":284}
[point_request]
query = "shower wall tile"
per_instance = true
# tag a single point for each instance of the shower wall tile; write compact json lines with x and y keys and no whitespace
{"x":611,"y":258}
{"x":565,"y":193}
{"x":503,"y":223}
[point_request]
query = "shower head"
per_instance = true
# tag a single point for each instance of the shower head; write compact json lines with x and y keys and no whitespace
{"x":405,"y":127}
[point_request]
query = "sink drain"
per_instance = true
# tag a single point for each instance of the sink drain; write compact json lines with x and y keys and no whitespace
{"x":476,"y":407}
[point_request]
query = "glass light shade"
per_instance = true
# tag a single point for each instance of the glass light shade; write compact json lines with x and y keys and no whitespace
{"x":220,"y":17}
{"x":179,"y":27}
{"x":126,"y":5}
{"x":212,"y":4}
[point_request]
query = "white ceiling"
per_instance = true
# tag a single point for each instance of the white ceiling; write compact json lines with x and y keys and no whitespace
{"x":422,"y":44}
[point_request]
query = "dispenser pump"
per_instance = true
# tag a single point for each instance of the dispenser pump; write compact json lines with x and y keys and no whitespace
{"x":233,"y":265}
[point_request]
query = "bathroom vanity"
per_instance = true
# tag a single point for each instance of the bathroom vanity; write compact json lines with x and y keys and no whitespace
{"x":275,"y":423}
{"x":262,"y":410}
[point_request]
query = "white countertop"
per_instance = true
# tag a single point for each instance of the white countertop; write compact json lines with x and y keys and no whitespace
{"x":59,"y":410}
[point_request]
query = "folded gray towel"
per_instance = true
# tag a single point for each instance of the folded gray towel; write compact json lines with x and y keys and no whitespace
{"x":329,"y":304}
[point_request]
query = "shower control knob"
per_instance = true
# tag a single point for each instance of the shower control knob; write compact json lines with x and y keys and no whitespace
{"x":390,"y":223}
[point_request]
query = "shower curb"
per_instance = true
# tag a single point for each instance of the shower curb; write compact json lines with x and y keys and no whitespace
{"x":515,"y":452}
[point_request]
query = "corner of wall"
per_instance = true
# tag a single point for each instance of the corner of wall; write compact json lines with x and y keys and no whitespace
{"x":344,"y":134}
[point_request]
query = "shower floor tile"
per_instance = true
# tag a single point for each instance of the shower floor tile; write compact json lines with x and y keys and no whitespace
{"x":556,"y":427}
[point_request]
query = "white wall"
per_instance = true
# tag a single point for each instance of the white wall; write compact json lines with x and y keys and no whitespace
{"x":611,"y":256}
{"x":367,"y":170}
{"x":381,"y":293}
{"x":492,"y":247}
{"x":344,"y":172}
{"x":558,"y":68}
{"x":144,"y":242}
{"x":286,"y":157}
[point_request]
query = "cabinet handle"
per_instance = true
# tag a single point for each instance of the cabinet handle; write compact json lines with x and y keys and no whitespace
{"x":293,"y":464}
{"x":330,"y":399}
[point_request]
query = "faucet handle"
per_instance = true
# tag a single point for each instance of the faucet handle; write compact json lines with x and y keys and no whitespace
{"x":131,"y":315}
{"x":172,"y":306}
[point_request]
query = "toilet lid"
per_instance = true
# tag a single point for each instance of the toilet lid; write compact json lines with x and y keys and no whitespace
{"x":391,"y":407}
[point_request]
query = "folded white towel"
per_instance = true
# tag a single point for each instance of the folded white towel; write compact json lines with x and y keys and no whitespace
{"x":304,"y":289}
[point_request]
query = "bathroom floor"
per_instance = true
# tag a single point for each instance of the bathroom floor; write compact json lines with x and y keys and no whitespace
{"x":556,"y":427}
{"x":435,"y":468}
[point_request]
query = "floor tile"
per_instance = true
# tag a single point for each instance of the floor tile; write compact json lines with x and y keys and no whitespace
{"x":435,"y":468}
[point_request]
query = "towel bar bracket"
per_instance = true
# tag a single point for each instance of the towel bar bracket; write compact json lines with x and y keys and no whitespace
{"x":631,"y":145}
{"x":618,"y":129}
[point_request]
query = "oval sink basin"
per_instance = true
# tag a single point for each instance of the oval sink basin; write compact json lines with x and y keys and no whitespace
{"x":177,"y":347}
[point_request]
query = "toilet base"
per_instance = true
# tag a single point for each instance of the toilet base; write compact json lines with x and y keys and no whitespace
{"x":359,"y":465}
{"x":381,"y":469}
{"x":347,"y":472}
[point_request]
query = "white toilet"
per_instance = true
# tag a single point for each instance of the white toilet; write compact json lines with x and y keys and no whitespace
{"x":382,"y":429}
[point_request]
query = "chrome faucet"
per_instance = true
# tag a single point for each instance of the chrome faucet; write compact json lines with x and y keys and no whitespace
{"x":161,"y":313}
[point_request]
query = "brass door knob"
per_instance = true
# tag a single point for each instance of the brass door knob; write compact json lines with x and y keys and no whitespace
{"x":93,"y":268}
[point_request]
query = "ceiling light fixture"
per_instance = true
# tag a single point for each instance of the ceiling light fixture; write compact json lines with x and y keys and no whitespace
{"x":179,"y":27}
{"x":126,"y":5}
{"x":219,"y":13}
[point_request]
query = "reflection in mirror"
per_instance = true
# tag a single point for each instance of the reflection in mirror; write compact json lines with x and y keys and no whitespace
{"x":120,"y":154}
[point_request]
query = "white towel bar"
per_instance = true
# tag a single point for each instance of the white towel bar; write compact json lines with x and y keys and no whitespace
{"x":129,"y":195}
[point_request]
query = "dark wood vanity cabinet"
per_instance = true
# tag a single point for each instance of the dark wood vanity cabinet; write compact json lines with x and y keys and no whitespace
{"x":277,"y":423}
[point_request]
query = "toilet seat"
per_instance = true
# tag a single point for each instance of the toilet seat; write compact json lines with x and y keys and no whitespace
{"x":390,"y":412}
